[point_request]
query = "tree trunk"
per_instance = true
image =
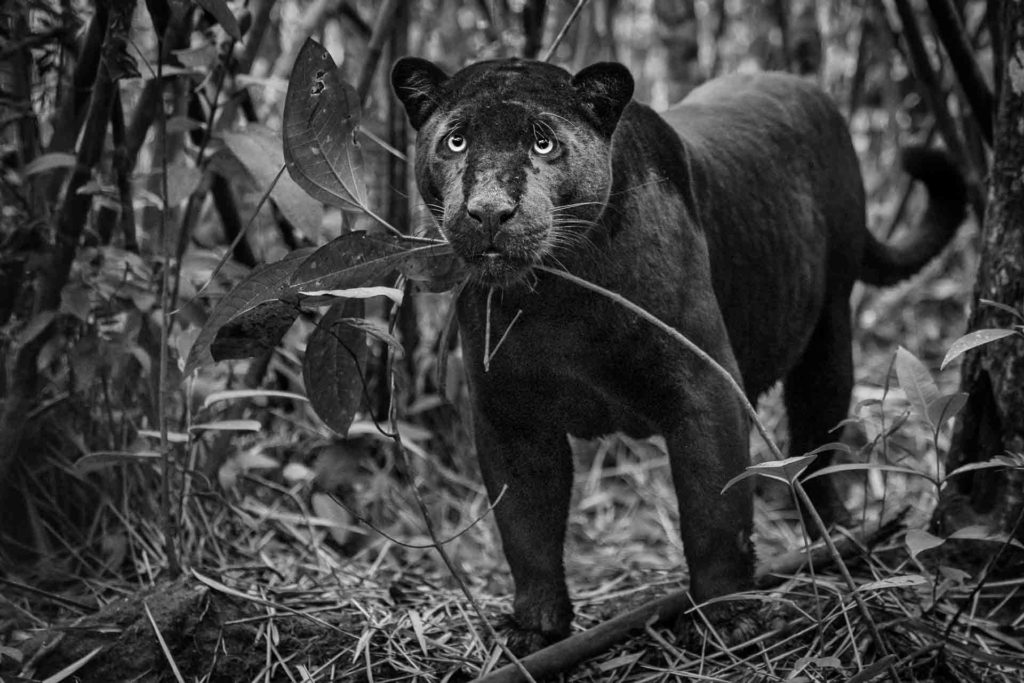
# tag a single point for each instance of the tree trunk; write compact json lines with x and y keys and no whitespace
{"x":992,"y":422}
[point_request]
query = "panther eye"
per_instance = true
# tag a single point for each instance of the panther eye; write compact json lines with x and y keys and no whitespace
{"x":456,"y":143}
{"x":544,"y":146}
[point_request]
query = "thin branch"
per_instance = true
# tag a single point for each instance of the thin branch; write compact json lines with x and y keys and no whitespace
{"x":565,"y":28}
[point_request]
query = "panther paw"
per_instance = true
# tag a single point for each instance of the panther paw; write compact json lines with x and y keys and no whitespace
{"x":525,"y":641}
{"x":732,"y":623}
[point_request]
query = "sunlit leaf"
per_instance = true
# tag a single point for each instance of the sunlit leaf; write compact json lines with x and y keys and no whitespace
{"x":979,"y":532}
{"x":172,"y":437}
{"x":229,"y":426}
{"x":322,"y":296}
{"x":325,"y":507}
{"x":48,"y":162}
{"x":236,"y":327}
{"x":335,"y":358}
{"x":973,"y":340}
{"x":321,"y":114}
{"x":232,"y":394}
{"x":919,"y":540}
{"x":259,"y":150}
{"x":916,"y":382}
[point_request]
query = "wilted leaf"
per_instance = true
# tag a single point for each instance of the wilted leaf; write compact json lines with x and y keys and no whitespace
{"x":220,"y":11}
{"x":894,"y":582}
{"x":919,"y":540}
{"x":945,"y":407}
{"x":259,"y":151}
{"x":916,"y":381}
{"x":972,"y":340}
{"x":321,"y":114}
{"x":263,"y":286}
{"x":376,"y":331}
{"x":785,"y":471}
{"x":322,"y":296}
{"x":335,"y":357}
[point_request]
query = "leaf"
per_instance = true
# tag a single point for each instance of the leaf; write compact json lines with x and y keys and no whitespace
{"x":265,"y":285}
{"x":321,"y":114}
{"x":945,"y":407}
{"x":172,"y":437}
{"x":100,"y":459}
{"x":233,"y":394}
{"x":229,"y":426}
{"x":1003,"y":307}
{"x":220,"y":11}
{"x":258,"y":149}
{"x":340,"y":520}
{"x":864,"y":466}
{"x":916,"y":381}
{"x":335,"y":357}
{"x":979,"y":532}
{"x":873,"y":671}
{"x":48,"y":162}
{"x":322,"y":296}
{"x":970,"y":467}
{"x":375,"y":330}
{"x":356,"y":258}
{"x":972,"y":340}
{"x":785,"y":471}
{"x":894,"y":582}
{"x":919,"y":540}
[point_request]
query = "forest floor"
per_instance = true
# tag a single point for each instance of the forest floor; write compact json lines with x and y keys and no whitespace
{"x":281,"y":583}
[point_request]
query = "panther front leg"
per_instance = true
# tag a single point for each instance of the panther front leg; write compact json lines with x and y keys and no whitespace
{"x":708,"y":445}
{"x":531,"y":461}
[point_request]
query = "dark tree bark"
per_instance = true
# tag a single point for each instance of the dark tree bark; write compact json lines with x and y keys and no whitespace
{"x":993,"y":375}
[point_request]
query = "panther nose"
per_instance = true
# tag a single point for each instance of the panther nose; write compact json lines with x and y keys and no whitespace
{"x":491,"y":211}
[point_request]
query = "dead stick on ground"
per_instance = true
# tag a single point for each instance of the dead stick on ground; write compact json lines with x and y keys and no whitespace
{"x":567,"y":653}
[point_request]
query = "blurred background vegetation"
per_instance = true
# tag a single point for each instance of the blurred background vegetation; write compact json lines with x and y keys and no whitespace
{"x":138,"y":142}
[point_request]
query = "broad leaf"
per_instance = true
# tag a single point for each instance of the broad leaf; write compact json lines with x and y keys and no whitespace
{"x":259,"y":150}
{"x":335,"y":358}
{"x":236,"y":327}
{"x":945,"y":407}
{"x":321,"y":114}
{"x":972,"y":340}
{"x":919,"y":540}
{"x":357,"y":258}
{"x":916,"y":381}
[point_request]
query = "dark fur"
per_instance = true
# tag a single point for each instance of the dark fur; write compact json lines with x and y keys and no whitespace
{"x":737,"y":217}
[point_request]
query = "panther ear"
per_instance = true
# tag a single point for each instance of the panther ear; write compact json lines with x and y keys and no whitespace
{"x":605,"y":89}
{"x":417,"y":83}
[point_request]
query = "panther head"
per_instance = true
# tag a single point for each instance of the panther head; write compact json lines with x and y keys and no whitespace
{"x":513,"y":157}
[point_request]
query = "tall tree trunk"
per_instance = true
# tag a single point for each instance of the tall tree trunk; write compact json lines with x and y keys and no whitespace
{"x":679,"y":33}
{"x":992,"y":423}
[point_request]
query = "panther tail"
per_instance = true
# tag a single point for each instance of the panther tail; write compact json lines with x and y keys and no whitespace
{"x":888,"y":263}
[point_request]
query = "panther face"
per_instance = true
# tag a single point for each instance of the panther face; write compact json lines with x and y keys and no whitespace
{"x":513,"y":157}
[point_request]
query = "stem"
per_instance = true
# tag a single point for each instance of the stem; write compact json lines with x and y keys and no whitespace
{"x":678,"y":336}
{"x":381,"y":33}
{"x":565,"y":28}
